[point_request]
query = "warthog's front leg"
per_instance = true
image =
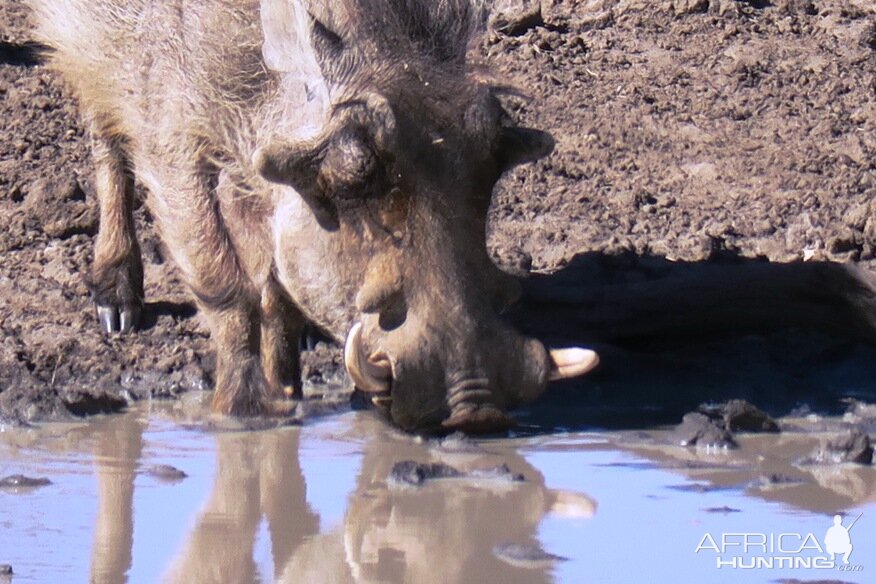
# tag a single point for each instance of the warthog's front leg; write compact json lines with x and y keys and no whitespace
{"x":116,"y":280}
{"x":241,"y":386}
{"x":195,"y":232}
{"x":282,"y":327}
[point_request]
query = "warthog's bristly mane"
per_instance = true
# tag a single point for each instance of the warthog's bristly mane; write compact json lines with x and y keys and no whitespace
{"x":355,"y":38}
{"x":438,"y":29}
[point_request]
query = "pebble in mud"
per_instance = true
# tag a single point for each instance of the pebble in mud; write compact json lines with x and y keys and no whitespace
{"x":18,"y":481}
{"x":740,"y":416}
{"x":525,"y":555}
{"x":165,"y":473}
{"x":697,"y":429}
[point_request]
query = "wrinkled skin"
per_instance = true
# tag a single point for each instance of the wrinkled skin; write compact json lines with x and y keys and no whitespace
{"x":370,"y":225}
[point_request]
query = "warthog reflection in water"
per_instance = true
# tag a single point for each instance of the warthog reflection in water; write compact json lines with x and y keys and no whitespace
{"x":443,"y":531}
{"x":387,"y":534}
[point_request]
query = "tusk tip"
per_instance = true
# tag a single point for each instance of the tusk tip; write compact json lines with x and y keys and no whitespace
{"x":369,"y":374}
{"x":572,"y":362}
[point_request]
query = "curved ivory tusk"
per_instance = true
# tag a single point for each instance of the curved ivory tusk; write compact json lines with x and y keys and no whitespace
{"x":373,"y":376}
{"x":571,"y":362}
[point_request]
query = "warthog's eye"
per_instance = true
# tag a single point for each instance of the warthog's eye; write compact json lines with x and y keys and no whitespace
{"x":347,"y":170}
{"x":340,"y":164}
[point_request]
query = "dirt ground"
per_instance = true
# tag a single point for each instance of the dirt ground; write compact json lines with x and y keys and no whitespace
{"x":689,"y":132}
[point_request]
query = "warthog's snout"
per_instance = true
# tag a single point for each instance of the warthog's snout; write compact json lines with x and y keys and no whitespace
{"x":449,"y":390}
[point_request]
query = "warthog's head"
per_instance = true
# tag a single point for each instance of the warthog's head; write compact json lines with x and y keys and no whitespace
{"x":384,"y":239}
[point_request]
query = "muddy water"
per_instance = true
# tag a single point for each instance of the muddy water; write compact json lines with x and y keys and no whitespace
{"x":318,"y":504}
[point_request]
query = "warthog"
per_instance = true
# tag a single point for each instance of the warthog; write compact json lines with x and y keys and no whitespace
{"x":329,"y":162}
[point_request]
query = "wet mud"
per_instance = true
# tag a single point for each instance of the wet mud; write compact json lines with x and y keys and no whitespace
{"x":322,"y":502}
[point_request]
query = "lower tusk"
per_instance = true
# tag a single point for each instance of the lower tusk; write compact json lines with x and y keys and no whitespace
{"x":572,"y":362}
{"x":373,"y":375}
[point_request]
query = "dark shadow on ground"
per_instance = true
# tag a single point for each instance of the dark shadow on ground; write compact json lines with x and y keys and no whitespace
{"x":152,"y":311}
{"x":798,"y":336}
{"x":27,"y":54}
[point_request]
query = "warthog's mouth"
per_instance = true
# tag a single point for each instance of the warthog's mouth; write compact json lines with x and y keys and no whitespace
{"x":469,"y":400}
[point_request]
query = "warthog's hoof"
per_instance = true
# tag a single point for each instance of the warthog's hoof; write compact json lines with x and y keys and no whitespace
{"x":118,"y":319}
{"x":117,"y":292}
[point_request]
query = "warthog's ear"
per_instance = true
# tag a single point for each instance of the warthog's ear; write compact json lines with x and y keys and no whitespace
{"x":520,"y":145}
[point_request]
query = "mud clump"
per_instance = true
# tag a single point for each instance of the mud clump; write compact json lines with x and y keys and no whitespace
{"x":82,"y":403}
{"x":18,"y":481}
{"x":165,"y":473}
{"x":713,"y":425}
{"x":60,"y":209}
{"x":855,"y":447}
{"x":738,"y":415}
{"x":861,"y":415}
{"x":526,"y":555}
{"x":515,"y":16}
{"x":796,"y":581}
{"x":776,"y":480}
{"x":723,"y":510}
{"x":697,"y":429}
{"x":411,"y":473}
